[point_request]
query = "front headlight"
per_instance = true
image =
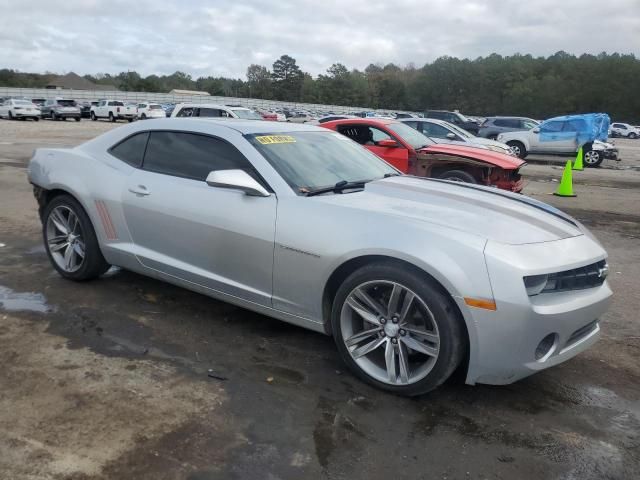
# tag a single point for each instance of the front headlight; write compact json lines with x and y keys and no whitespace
{"x":535,"y":284}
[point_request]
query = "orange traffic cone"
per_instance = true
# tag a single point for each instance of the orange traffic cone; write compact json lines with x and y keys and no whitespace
{"x":565,"y":189}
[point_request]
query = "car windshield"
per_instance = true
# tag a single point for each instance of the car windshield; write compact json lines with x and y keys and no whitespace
{"x":311,"y":160}
{"x":67,"y":103}
{"x":246,"y":114}
{"x":410,"y":135}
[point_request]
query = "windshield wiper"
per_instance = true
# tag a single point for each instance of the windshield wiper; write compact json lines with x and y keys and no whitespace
{"x":387,"y":175}
{"x":338,"y":187}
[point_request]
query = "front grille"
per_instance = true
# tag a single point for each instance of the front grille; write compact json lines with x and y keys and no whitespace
{"x":579,"y":278}
{"x":581,"y":333}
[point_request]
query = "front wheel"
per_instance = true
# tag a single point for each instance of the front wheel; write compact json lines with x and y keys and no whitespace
{"x":93,"y":116}
{"x":35,"y":119}
{"x":458,"y":176}
{"x":593,"y":158}
{"x":397,"y":329}
{"x":10,"y":115}
{"x":77,"y":119}
{"x":518,"y":149}
{"x":143,"y":117}
{"x":70,"y":240}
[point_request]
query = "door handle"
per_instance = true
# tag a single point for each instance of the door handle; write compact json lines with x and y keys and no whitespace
{"x":140,"y":190}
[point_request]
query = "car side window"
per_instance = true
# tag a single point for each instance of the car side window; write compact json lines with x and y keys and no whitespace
{"x":528,"y":124}
{"x":553,"y":127}
{"x":131,"y":149}
{"x":191,"y":155}
{"x":141,"y":105}
{"x":412,"y":124}
{"x":573,"y":126}
{"x":185,"y":112}
{"x":434,"y":130}
{"x":207,"y":112}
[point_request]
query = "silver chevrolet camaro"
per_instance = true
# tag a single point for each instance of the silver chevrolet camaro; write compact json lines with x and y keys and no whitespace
{"x":413,"y":277}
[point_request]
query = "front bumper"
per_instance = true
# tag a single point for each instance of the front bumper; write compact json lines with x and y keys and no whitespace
{"x":504,"y":342}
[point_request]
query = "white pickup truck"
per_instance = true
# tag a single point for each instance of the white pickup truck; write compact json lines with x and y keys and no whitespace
{"x":113,"y":110}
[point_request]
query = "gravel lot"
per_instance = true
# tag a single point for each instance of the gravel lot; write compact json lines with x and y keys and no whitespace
{"x":109,"y":379}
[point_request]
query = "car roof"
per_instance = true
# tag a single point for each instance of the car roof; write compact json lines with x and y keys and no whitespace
{"x":206,"y":105}
{"x":362,"y":121}
{"x":241,"y":125}
{"x":437,"y":121}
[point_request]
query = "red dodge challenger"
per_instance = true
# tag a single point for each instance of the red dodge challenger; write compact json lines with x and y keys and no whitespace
{"x":412,"y":152}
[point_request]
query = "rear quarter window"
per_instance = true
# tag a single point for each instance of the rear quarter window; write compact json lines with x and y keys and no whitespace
{"x":131,"y":150}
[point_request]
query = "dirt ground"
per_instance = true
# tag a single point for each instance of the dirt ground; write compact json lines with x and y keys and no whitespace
{"x":127,"y":377}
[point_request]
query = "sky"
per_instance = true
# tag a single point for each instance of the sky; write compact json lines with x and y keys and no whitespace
{"x":223,"y":37}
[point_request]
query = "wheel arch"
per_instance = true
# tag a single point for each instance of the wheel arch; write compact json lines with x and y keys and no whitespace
{"x":345,"y":269}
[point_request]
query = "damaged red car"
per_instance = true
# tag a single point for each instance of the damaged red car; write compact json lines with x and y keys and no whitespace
{"x":413,"y":153}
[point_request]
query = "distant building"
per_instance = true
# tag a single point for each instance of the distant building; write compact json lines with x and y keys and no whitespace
{"x":74,"y":81}
{"x":188,"y":92}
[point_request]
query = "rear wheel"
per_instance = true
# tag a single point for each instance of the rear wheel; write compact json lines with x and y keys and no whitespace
{"x":143,"y":117}
{"x":10,"y":115}
{"x":70,"y":240}
{"x":396,"y":329}
{"x":458,"y":176}
{"x":111,"y":117}
{"x":77,"y":119}
{"x":633,"y":135}
{"x":53,"y":115}
{"x":35,"y":119}
{"x":518,"y":148}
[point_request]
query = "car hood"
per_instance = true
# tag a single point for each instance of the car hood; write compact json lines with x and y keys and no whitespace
{"x":502,"y":160}
{"x":487,"y":212}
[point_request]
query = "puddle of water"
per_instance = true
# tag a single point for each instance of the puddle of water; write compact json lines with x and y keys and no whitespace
{"x":23,"y":301}
{"x":36,"y":250}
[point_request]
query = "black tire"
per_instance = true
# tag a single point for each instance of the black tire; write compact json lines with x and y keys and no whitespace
{"x":77,"y":119}
{"x":93,"y":116}
{"x":35,"y":119}
{"x":632,"y":135}
{"x":493,"y":136}
{"x":10,"y":115}
{"x":518,"y":148}
{"x":53,"y":116}
{"x":64,"y":119}
{"x":143,"y":117}
{"x":94,"y":263}
{"x":112,"y":119}
{"x":453,"y":342}
{"x":130,"y":120}
{"x":457,"y":176}
{"x":592,"y":158}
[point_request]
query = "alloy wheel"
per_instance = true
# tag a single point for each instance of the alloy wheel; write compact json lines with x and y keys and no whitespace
{"x":65,"y":239}
{"x":390,"y":332}
{"x":591,"y":157}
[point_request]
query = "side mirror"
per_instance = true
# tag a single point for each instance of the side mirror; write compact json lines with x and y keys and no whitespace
{"x":387,"y":142}
{"x":236,"y":180}
{"x":536,"y":130}
{"x":451,"y":136}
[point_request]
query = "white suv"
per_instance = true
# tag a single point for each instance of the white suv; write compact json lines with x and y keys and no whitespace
{"x":213,"y":110}
{"x":623,"y":130}
{"x":150,"y":110}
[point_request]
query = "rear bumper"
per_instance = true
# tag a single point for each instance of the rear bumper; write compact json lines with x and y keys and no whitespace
{"x":68,"y":114}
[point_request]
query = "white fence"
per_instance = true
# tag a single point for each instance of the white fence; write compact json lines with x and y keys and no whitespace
{"x":92,"y":95}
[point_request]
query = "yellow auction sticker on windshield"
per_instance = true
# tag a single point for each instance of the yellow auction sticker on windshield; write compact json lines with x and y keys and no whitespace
{"x":271,"y":139}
